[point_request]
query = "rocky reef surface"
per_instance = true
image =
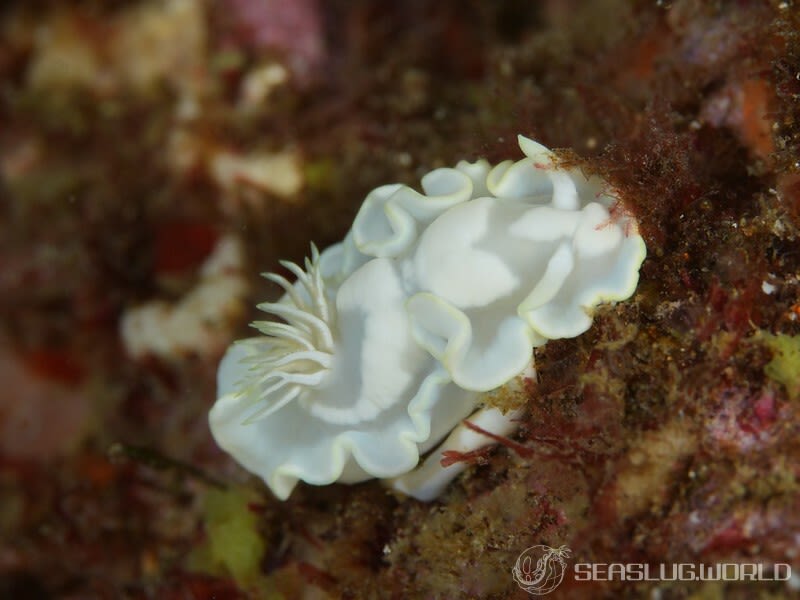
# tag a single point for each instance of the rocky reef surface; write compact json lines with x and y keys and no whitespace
{"x":155,"y":157}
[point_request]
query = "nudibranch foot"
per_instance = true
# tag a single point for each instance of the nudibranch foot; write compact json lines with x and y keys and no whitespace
{"x":431,"y":478}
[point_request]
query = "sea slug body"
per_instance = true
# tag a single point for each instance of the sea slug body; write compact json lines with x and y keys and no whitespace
{"x":388,"y":339}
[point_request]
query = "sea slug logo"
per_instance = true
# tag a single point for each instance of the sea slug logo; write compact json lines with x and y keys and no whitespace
{"x":540,"y":569}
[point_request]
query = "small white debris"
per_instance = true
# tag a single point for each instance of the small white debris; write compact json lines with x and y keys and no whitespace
{"x":277,"y":173}
{"x":259,"y":84}
{"x":201,"y":322}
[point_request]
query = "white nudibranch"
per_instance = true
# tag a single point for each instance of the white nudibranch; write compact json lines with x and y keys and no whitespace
{"x":388,"y":340}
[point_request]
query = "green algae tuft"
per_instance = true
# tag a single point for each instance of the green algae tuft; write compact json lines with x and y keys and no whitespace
{"x":234,"y":543}
{"x":785,"y":364}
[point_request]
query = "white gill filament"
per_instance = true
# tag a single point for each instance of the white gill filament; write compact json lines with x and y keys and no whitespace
{"x":323,"y":359}
{"x":300,"y":319}
{"x":273,"y":407}
{"x":288,"y":288}
{"x":285,"y":332}
{"x":299,"y":353}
